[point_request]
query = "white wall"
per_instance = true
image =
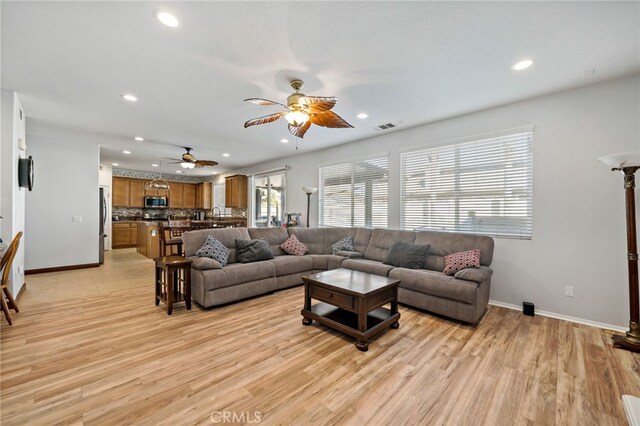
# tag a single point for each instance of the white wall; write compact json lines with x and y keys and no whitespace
{"x":579,"y":234}
{"x":13,"y":197}
{"x":66,"y":185}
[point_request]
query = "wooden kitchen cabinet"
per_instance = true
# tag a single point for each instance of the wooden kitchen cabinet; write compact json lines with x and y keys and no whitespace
{"x":136,"y":193}
{"x":120,"y":192}
{"x":125,"y":234}
{"x":236,"y":191}
{"x":175,"y":195}
{"x":204,"y":195}
{"x":189,"y":195}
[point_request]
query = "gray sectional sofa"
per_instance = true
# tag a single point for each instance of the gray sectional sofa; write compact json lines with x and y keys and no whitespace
{"x":463,"y":297}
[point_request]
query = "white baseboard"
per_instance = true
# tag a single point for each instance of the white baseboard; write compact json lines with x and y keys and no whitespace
{"x":562,"y":317}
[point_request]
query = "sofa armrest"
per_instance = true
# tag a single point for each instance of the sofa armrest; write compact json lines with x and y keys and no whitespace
{"x":477,"y":275}
{"x":350,"y":254}
{"x":204,"y":263}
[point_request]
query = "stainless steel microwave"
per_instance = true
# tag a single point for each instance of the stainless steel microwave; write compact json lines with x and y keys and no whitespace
{"x":156,"y":202}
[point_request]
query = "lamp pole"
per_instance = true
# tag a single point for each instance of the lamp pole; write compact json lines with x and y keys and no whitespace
{"x":309,"y":191}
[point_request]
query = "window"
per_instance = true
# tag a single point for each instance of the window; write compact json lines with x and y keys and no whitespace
{"x":481,"y":187}
{"x":355,"y":194}
{"x":269,"y":200}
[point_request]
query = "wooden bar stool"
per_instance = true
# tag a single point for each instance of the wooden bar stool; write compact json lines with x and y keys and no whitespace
{"x":5,"y":267}
{"x":171,"y":236}
{"x":173,"y":281}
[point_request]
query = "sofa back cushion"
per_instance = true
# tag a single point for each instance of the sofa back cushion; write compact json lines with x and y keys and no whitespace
{"x":445,"y":243}
{"x":193,"y":240}
{"x":310,"y":237}
{"x":382,"y":239}
{"x":274,"y":236}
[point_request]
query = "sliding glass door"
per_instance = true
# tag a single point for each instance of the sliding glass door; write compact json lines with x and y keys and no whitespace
{"x":269,"y":200}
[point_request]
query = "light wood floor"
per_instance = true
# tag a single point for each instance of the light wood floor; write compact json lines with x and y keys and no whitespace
{"x":90,"y":347}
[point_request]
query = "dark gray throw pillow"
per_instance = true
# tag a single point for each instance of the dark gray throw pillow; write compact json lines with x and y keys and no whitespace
{"x":248,"y":251}
{"x":407,"y":255}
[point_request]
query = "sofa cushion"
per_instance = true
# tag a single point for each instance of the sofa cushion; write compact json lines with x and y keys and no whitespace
{"x":193,"y":240}
{"x":477,"y":275}
{"x":345,"y":244}
{"x":436,"y":284}
{"x":238,"y":273}
{"x":458,"y":261}
{"x":350,"y":254}
{"x":286,"y":265}
{"x":213,"y":249}
{"x":293,"y":246}
{"x":382,"y":239}
{"x":407,"y":255}
{"x":249,"y":251}
{"x":365,"y":265}
{"x":444,"y":243}
{"x":326,"y":262}
{"x":274,"y":236}
{"x":204,"y":263}
{"x":310,"y":237}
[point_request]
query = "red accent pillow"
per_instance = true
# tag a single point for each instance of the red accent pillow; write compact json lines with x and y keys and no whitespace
{"x":461,"y":260}
{"x":294,"y":246}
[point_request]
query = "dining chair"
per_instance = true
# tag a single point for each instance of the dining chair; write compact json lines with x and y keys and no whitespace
{"x":5,"y":268}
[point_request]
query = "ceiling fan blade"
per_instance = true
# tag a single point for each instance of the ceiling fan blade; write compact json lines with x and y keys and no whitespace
{"x":317,"y":104}
{"x":329,"y":119}
{"x":206,"y":163}
{"x":264,"y":120}
{"x":260,"y":101}
{"x":299,"y":131}
{"x":173,"y":159}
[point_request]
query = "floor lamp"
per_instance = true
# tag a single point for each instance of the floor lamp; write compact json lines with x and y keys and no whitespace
{"x":309,"y":191}
{"x":628,"y":163}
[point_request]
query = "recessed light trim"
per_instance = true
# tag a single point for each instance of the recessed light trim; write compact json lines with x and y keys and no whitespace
{"x":139,"y":138}
{"x":129,"y":97}
{"x":362,"y":115}
{"x":522,"y":65}
{"x":178,"y":171}
{"x":284,"y":140}
{"x":115,"y":164}
{"x":167,"y":18}
{"x":225,"y":155}
{"x":126,"y":152}
{"x":154,"y":165}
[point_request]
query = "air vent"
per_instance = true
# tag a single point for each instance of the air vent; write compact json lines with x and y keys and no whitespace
{"x":386,"y":126}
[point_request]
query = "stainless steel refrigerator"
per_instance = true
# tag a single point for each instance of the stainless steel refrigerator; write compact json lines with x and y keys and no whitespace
{"x":103,"y":222}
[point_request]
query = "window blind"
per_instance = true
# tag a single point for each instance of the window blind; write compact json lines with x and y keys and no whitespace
{"x":480,"y":187}
{"x":355,"y":193}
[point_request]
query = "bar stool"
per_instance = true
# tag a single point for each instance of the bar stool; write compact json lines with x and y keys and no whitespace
{"x":173,"y":281}
{"x":171,"y":235}
{"x":5,"y":267}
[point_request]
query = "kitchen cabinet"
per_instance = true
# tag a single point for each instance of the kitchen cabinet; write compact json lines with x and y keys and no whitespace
{"x":136,"y":193}
{"x":236,"y":191}
{"x":203,"y":195}
{"x":120,"y":192}
{"x":156,"y":192}
{"x":125,"y":234}
{"x":148,"y":243}
{"x":189,"y":195}
{"x":175,"y":195}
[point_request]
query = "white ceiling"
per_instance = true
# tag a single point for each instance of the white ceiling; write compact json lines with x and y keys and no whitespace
{"x":407,"y":62}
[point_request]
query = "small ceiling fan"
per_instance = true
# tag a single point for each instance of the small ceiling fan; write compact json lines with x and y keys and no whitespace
{"x":302,"y":111}
{"x":188,"y":161}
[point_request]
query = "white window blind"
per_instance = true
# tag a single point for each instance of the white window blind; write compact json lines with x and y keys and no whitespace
{"x":355,"y":193}
{"x":480,"y":187}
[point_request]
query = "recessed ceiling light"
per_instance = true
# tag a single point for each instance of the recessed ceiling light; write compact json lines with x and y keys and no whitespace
{"x":167,"y":18}
{"x":284,"y":140}
{"x":115,"y":164}
{"x":362,"y":115}
{"x":154,"y":165}
{"x":139,"y":138}
{"x":522,"y":65}
{"x":225,"y":155}
{"x":126,"y":152}
{"x":129,"y":97}
{"x":178,"y":171}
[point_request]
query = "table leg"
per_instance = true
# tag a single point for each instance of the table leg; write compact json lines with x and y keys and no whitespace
{"x":394,"y":307}
{"x":170,"y":284}
{"x":187,"y":284}
{"x":362,"y":346}
{"x":307,"y":304}
{"x":158,"y":290}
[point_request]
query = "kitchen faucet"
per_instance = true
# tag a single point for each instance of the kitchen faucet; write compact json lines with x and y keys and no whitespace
{"x":213,"y":212}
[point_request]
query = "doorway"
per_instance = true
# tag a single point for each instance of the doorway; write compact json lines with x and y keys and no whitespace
{"x":269,"y":201}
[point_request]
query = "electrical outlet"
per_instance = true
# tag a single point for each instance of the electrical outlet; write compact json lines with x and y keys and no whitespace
{"x":76,"y":219}
{"x":21,"y":269}
{"x":568,"y":290}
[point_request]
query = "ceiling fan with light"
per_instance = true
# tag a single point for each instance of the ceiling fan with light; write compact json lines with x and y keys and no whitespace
{"x":302,"y":111}
{"x":188,"y":160}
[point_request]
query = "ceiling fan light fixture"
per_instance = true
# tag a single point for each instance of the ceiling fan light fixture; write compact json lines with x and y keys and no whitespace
{"x":296,"y":118}
{"x":187,"y":165}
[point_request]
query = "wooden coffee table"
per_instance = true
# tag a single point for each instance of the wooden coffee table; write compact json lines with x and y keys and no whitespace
{"x":351,"y":302}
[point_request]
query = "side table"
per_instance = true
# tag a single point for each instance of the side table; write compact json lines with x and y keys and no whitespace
{"x":173,"y":281}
